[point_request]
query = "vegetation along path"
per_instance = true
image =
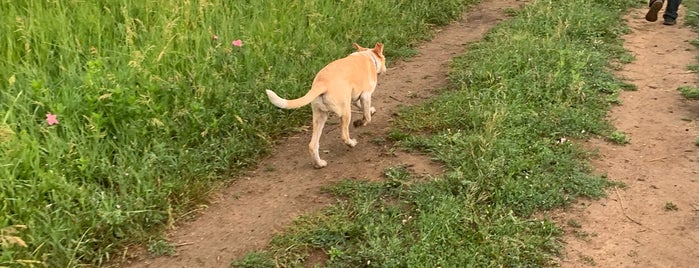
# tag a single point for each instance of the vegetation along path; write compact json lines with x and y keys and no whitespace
{"x":244,"y":216}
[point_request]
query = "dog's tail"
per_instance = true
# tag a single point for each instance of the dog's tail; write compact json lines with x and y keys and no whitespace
{"x":295,"y":103}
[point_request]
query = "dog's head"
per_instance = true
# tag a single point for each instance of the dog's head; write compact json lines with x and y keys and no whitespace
{"x":378,"y":53}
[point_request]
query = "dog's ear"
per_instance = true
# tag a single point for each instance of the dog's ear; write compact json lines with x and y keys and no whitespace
{"x":358,"y":47}
{"x":378,"y":48}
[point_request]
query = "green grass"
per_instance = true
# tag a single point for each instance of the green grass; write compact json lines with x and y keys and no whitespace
{"x":692,"y":13}
{"x":689,"y":92}
{"x":535,"y":79}
{"x":161,"y":247}
{"x":618,"y":137}
{"x":669,"y":206}
{"x":154,"y":111}
{"x":693,"y":21}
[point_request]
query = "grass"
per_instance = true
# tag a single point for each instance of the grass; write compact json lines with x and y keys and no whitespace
{"x":541,"y":76}
{"x":669,"y":206}
{"x":589,"y":261}
{"x":692,"y":20}
{"x":689,"y":92}
{"x":575,"y":224}
{"x":618,"y":137}
{"x":161,"y":247}
{"x":156,"y":107}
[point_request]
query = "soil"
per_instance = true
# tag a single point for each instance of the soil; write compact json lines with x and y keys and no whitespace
{"x":653,"y":221}
{"x":658,"y":166}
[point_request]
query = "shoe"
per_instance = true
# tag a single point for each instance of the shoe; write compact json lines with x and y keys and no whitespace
{"x":655,"y":7}
{"x":669,"y":22}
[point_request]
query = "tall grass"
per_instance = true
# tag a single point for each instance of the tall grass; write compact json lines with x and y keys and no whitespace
{"x":156,"y":106}
{"x":503,"y":131}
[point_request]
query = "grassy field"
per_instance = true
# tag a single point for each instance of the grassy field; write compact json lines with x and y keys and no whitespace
{"x":118,"y":116}
{"x":506,"y":131}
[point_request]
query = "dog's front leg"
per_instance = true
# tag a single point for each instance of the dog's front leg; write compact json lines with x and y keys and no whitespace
{"x":319,"y":119}
{"x":367,"y":110}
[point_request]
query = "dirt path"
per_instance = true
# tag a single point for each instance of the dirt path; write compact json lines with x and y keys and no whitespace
{"x":243,"y":217}
{"x":633,"y":227}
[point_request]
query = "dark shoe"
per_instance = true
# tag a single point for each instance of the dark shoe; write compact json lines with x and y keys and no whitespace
{"x":655,"y":6}
{"x":669,"y":22}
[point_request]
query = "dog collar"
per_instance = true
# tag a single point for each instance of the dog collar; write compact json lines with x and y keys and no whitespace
{"x":376,"y":62}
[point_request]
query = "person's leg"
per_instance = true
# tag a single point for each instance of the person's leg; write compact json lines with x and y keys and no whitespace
{"x":670,"y":15}
{"x":655,"y":6}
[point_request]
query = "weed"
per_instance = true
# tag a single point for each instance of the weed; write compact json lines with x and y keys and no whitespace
{"x":396,"y":176}
{"x":255,"y":260}
{"x":633,"y":253}
{"x":614,"y":99}
{"x":573,"y":223}
{"x":669,"y":206}
{"x":626,"y":58}
{"x":629,"y":87}
{"x":511,"y":12}
{"x":334,"y":253}
{"x":689,"y":92}
{"x":588,"y":260}
{"x":582,"y":235}
{"x":160,"y":247}
{"x":378,"y":141}
{"x":397,"y":173}
{"x":270,"y":168}
{"x":618,"y":137}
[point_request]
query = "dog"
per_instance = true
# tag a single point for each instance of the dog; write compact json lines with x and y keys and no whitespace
{"x":339,"y":85}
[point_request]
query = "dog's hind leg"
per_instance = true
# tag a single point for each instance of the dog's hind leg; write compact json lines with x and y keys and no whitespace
{"x":319,"y":118}
{"x":346,"y":117}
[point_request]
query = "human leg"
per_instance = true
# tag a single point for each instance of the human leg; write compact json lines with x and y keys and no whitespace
{"x":670,"y":15}
{"x":654,"y":8}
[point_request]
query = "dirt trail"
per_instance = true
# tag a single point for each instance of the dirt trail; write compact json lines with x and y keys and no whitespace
{"x":243,"y":217}
{"x":632,"y":227}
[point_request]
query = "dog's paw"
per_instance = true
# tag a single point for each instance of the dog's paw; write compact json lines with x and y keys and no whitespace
{"x":372,"y":110}
{"x":321,"y":164}
{"x":351,"y":142}
{"x":359,"y":123}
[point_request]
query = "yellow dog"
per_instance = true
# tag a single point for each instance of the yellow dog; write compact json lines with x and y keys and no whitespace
{"x":347,"y":81}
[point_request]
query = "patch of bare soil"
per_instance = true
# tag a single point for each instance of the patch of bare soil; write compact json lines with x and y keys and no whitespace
{"x":654,"y":220}
{"x":245,"y":216}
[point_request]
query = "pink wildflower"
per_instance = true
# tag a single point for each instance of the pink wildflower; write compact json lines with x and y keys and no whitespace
{"x":238,"y":43}
{"x":51,"y":119}
{"x":214,"y":37}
